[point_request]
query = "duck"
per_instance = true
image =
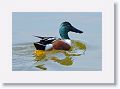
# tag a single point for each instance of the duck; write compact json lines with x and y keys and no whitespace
{"x":63,"y":43}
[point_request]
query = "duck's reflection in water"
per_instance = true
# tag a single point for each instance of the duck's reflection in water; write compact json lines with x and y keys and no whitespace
{"x":78,"y":48}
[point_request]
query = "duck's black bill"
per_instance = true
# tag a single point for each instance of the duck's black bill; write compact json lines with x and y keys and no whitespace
{"x":76,"y":30}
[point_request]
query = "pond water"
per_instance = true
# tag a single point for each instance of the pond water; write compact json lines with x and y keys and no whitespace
{"x":27,"y":58}
{"x":25,"y":25}
{"x":32,"y":59}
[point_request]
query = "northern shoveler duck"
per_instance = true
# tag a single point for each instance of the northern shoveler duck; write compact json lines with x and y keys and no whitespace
{"x":63,"y":43}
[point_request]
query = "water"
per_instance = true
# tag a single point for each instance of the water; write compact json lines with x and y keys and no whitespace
{"x":24,"y":59}
{"x":25,"y":25}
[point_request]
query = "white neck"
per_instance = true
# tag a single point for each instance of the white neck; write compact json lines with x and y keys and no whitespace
{"x":68,"y":41}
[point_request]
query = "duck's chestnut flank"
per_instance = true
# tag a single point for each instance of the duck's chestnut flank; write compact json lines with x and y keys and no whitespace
{"x":61,"y":45}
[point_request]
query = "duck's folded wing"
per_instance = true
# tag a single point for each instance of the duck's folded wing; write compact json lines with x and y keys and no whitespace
{"x":45,"y":38}
{"x":39,"y":46}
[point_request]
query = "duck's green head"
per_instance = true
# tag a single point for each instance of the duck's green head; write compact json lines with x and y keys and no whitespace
{"x":65,"y":28}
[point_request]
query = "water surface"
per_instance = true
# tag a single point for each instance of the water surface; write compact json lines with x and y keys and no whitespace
{"x":27,"y":24}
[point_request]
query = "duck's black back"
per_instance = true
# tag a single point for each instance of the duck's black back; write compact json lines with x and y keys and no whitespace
{"x":43,"y":42}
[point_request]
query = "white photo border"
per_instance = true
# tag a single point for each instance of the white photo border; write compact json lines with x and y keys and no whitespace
{"x":104,"y":76}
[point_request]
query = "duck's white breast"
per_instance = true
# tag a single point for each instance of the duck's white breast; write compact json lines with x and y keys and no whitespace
{"x":68,"y":41}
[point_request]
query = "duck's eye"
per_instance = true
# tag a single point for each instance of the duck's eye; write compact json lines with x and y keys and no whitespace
{"x":69,"y":25}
